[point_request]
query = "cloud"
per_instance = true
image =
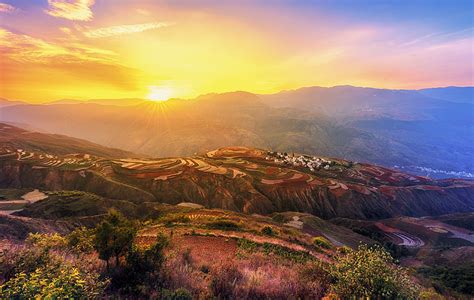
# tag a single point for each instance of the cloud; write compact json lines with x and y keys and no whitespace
{"x":28,"y":59}
{"x":124,"y":29}
{"x":437,"y":36}
{"x":143,"y":12}
{"x":25,"y":48}
{"x":79,"y":10}
{"x":7,"y":8}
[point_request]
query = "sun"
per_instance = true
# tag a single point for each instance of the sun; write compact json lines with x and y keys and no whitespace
{"x":159,"y":93}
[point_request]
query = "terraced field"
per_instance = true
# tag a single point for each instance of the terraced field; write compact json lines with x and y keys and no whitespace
{"x":242,"y":179}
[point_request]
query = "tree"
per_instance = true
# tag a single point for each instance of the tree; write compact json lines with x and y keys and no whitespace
{"x":371,"y":272}
{"x":114,"y":237}
{"x":143,"y":263}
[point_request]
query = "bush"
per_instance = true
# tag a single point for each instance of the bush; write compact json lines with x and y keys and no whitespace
{"x":178,"y":294}
{"x":223,"y":225}
{"x":344,"y":250}
{"x":53,"y":282}
{"x":41,"y":272}
{"x":81,"y":240}
{"x":322,"y":242}
{"x":141,"y":272}
{"x":268,"y":230}
{"x":458,"y":278}
{"x":46,"y":241}
{"x":171,"y":219}
{"x":370,"y":272}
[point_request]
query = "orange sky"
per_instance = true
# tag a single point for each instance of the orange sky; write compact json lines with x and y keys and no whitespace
{"x":86,"y":49}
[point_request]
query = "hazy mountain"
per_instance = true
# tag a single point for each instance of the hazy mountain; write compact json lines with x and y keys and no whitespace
{"x":118,"y":102}
{"x":15,"y":138}
{"x":452,"y":93}
{"x":6,"y":102}
{"x":387,"y":127}
{"x":427,"y":131}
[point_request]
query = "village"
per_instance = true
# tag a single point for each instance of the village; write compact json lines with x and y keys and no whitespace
{"x":312,"y":163}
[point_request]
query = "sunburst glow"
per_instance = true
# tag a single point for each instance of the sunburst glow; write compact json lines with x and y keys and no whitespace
{"x":160,"y":93}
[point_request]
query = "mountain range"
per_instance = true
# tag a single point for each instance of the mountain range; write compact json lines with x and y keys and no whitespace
{"x":425,"y":132}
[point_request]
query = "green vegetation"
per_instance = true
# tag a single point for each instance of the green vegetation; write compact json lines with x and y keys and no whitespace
{"x":42,"y":269}
{"x":114,"y":237}
{"x":223,"y":224}
{"x":53,"y":282}
{"x":9,"y":194}
{"x":457,"y":278}
{"x":174,"y":218}
{"x":81,"y":240}
{"x":73,"y":204}
{"x":268,"y":230}
{"x":370,"y":272}
{"x":178,"y":294}
{"x":322,"y":242}
{"x":274,"y":249}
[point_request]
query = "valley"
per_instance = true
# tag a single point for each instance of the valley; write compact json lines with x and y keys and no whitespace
{"x":245,"y":204}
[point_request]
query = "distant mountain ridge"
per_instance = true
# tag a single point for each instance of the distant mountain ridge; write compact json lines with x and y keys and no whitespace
{"x":405,"y":128}
{"x":15,"y":138}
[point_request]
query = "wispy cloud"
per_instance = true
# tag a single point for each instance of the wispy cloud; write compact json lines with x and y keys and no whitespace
{"x":7,"y":8}
{"x":25,"y":48}
{"x":124,"y":29}
{"x":437,"y":36}
{"x":79,"y":10}
{"x":69,"y":62}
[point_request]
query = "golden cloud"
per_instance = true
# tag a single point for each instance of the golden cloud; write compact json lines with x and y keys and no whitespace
{"x":51,"y":68}
{"x":79,"y":10}
{"x":124,"y":29}
{"x":27,"y":49}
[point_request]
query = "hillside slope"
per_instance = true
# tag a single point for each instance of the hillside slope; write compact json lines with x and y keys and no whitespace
{"x":15,"y":138}
{"x":244,"y":180}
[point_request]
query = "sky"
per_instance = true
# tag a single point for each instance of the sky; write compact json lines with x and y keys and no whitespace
{"x":92,"y":49}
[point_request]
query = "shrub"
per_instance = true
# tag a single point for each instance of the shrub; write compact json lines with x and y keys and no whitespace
{"x":322,"y":242}
{"x":344,"y":250}
{"x":223,"y":225}
{"x":35,"y":272}
{"x":178,"y":294}
{"x":274,"y":249}
{"x":53,"y":282}
{"x":458,"y":278}
{"x":268,"y":230}
{"x":81,"y":240}
{"x":430,"y":294}
{"x":46,"y":241}
{"x":171,"y":219}
{"x":370,"y":272}
{"x":141,"y":272}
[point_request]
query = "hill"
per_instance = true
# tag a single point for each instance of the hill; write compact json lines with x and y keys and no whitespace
{"x":242,"y":179}
{"x":14,"y":138}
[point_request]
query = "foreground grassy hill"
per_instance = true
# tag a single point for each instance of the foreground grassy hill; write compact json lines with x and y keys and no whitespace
{"x":213,"y":251}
